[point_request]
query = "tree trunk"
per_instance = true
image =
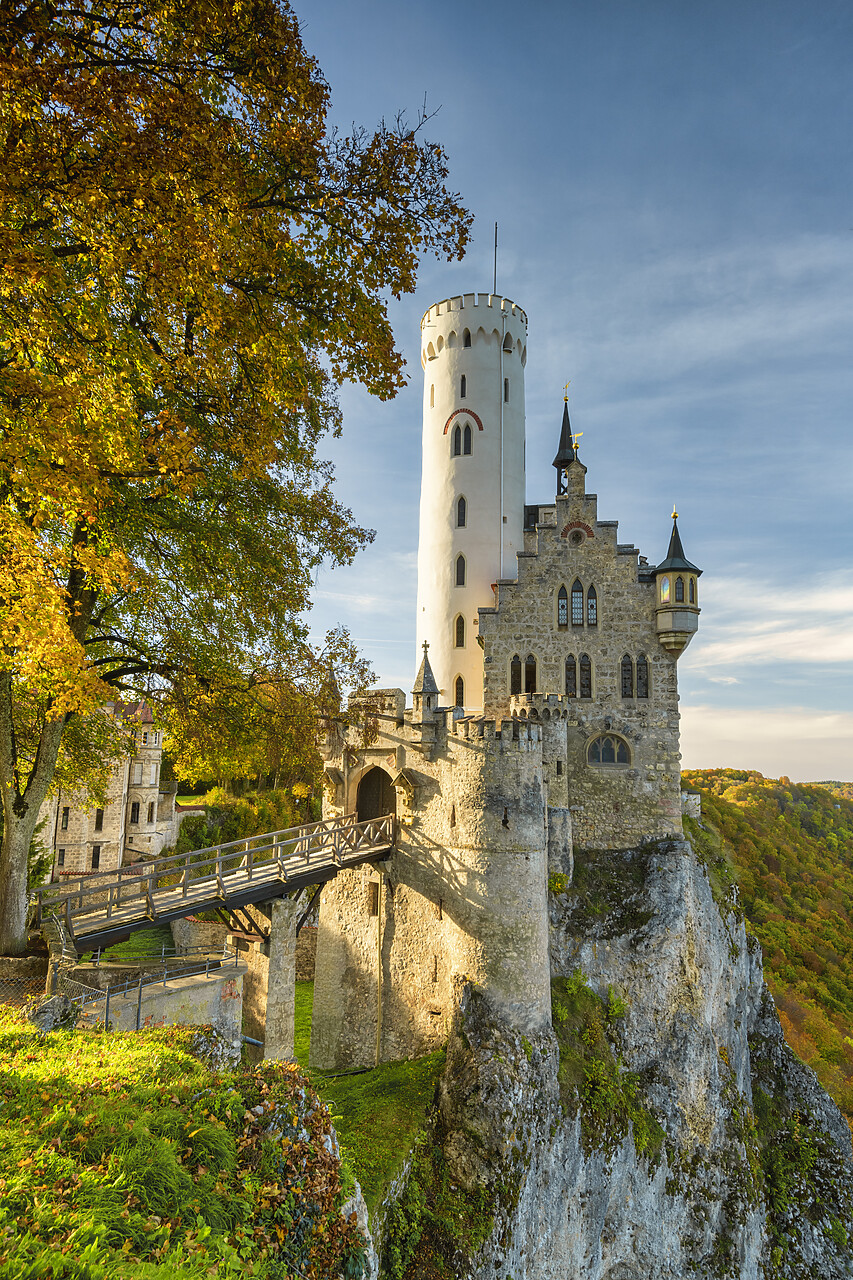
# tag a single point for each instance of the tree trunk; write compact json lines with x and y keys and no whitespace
{"x":20,"y":816}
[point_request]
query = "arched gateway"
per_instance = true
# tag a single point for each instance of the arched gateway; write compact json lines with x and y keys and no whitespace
{"x":376,"y":796}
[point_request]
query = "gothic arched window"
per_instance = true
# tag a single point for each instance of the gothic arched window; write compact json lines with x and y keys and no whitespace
{"x":466,"y":338}
{"x":460,"y":691}
{"x":627,"y":677}
{"x":642,"y":676}
{"x":577,"y":603}
{"x":608,"y":749}
{"x":585,"y":676}
{"x":461,"y":513}
{"x":460,"y":571}
{"x":457,"y":441}
{"x":692,"y":590}
{"x":571,"y":677}
{"x":467,"y":438}
{"x":562,"y":608}
{"x":515,"y":674}
{"x":591,"y":608}
{"x":530,"y":674}
{"x":463,"y":387}
{"x":664,"y":589}
{"x":679,"y":590}
{"x":459,"y":636}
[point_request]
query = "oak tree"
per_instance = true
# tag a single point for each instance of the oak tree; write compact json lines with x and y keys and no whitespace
{"x":193,"y":260}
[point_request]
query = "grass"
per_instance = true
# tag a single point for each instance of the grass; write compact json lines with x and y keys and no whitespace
{"x":126,"y":1156}
{"x":302,"y":1030}
{"x":144,"y":942}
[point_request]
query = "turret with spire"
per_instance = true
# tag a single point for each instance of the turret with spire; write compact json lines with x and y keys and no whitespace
{"x":676,"y":584}
{"x":567,"y":455}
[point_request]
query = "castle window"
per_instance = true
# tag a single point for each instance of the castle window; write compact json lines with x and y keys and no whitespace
{"x":466,"y":338}
{"x":562,"y":608}
{"x":150,"y":810}
{"x":585,"y":676}
{"x":96,"y":856}
{"x":515,"y":674}
{"x":692,"y":590}
{"x":571,"y":677}
{"x":65,"y":814}
{"x":460,"y":692}
{"x":679,"y":591}
{"x":591,"y":608}
{"x":432,"y":396}
{"x":459,"y":638}
{"x":577,"y":603}
{"x":506,"y":390}
{"x":664,"y":589}
{"x":99,"y":819}
{"x":461,"y":513}
{"x":627,"y":677}
{"x":467,"y":439}
{"x":642,"y":676}
{"x":373,"y":898}
{"x":463,"y":387}
{"x":460,"y":571}
{"x":530,"y":674}
{"x":508,"y":342}
{"x":134,"y":812}
{"x":60,"y":858}
{"x":559,"y":768}
{"x":457,"y":441}
{"x":607,"y":749}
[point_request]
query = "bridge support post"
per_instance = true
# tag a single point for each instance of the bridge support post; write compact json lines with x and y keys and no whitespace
{"x":281,"y":984}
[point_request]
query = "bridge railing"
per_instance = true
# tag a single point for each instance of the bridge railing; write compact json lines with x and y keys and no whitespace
{"x":271,"y":855}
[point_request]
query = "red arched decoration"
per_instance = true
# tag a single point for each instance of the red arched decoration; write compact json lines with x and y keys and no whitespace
{"x":456,"y":413}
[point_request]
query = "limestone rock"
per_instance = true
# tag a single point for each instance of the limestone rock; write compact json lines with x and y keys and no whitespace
{"x":741,"y":1166}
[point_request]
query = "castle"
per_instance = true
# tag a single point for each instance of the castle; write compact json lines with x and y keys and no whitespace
{"x":544,"y":717}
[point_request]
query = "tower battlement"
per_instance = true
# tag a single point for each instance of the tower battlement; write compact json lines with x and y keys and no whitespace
{"x":473,"y":302}
{"x":507,"y":733}
{"x":539,"y":706}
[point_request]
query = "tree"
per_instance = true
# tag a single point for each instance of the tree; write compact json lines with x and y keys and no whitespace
{"x":193,"y":261}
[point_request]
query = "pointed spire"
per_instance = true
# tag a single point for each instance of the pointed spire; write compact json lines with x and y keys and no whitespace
{"x":425,"y":680}
{"x":675,"y":557}
{"x":566,"y":451}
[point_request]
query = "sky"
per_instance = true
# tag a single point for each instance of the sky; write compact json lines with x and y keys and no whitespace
{"x":672,"y":184}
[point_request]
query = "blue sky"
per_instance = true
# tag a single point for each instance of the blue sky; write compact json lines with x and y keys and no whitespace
{"x":673,"y":186}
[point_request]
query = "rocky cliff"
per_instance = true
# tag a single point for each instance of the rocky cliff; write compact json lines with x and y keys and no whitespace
{"x":663,"y":1129}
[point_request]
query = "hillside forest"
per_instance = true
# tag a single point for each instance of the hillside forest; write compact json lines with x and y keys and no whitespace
{"x":790,"y":849}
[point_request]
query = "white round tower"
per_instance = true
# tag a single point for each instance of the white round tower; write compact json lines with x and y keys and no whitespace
{"x":473,"y":352}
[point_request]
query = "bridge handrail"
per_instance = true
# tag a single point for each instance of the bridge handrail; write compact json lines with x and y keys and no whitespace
{"x":291,"y":845}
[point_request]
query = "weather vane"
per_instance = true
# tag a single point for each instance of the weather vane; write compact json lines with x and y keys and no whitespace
{"x":566,"y":389}
{"x":674,"y":512}
{"x":576,"y":435}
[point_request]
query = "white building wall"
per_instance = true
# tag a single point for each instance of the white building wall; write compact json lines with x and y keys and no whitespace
{"x":491,"y":478}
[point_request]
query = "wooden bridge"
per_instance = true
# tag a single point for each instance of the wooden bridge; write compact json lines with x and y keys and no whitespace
{"x":105,"y":907}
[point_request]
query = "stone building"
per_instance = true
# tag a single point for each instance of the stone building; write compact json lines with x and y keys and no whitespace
{"x":544,"y":717}
{"x":138,"y":815}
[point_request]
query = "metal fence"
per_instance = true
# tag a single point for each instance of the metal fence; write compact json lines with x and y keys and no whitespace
{"x":18,"y":992}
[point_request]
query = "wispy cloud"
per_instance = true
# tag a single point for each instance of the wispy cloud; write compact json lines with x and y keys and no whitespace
{"x":804,"y":743}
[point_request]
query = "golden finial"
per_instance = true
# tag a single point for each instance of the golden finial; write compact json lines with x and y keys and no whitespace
{"x":674,"y":512}
{"x":576,"y":435}
{"x":566,"y":389}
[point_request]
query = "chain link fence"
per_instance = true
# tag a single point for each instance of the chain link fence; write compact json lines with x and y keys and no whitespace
{"x":18,"y":992}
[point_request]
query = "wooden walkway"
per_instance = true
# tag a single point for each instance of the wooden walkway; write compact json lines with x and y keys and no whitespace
{"x":101,"y":908}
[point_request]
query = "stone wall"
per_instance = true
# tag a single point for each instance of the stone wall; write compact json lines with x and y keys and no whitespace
{"x":216,"y":1000}
{"x":190,"y":933}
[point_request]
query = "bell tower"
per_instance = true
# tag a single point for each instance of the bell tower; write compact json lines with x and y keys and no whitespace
{"x":473,"y":353}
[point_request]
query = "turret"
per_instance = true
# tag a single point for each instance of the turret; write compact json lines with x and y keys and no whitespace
{"x":565,"y":451}
{"x":425,"y":690}
{"x":473,"y":353}
{"x":676,"y":584}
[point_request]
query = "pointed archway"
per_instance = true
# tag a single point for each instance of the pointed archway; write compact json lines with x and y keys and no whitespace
{"x":376,"y":796}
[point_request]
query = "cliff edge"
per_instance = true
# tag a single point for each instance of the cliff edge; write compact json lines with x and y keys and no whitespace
{"x":663,"y":1129}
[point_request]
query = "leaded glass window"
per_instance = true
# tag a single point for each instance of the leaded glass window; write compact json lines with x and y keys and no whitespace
{"x":562,"y":607}
{"x":577,"y":603}
{"x":460,"y":632}
{"x":585,"y":676}
{"x":571,"y":677}
{"x":591,"y":608}
{"x":642,"y":676}
{"x":627,"y":677}
{"x":607,"y":749}
{"x":679,"y":590}
{"x":515,"y":674}
{"x":460,"y":571}
{"x":467,"y":439}
{"x":530,"y":674}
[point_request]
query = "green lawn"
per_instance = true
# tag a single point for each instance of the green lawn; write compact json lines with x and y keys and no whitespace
{"x":143,"y":943}
{"x":377,"y":1113}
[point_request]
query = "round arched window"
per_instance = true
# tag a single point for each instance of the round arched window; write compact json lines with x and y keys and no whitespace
{"x":607,"y":749}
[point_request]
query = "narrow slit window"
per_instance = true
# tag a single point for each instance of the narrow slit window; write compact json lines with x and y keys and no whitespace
{"x":530,"y":674}
{"x":60,"y":858}
{"x":466,"y":338}
{"x":134,"y":812}
{"x":373,"y":898}
{"x":506,"y":390}
{"x":461,"y":513}
{"x":692,"y":590}
{"x":591,"y":608}
{"x":571,"y":677}
{"x":96,"y":856}
{"x":468,"y":438}
{"x":432,"y":395}
{"x":460,"y":571}
{"x":577,"y":603}
{"x":679,"y":591}
{"x":460,"y":692}
{"x":99,"y":819}
{"x":642,"y":676}
{"x":457,"y":441}
{"x":562,"y":608}
{"x":515,"y":674}
{"x":585,"y":676}
{"x":459,"y":638}
{"x":150,"y":810}
{"x":463,"y":387}
{"x":664,"y":589}
{"x":65,"y":815}
{"x":627,"y":677}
